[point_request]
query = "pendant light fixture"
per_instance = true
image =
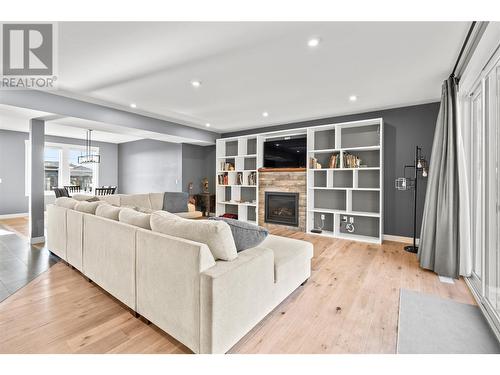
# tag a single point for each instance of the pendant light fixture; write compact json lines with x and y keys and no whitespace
{"x":88,"y":157}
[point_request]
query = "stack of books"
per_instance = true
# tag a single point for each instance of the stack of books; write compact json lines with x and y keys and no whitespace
{"x":223,"y":179}
{"x":226,"y":166}
{"x":351,"y":161}
{"x":334,"y":161}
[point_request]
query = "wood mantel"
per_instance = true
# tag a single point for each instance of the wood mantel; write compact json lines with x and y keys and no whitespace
{"x":282,"y":169}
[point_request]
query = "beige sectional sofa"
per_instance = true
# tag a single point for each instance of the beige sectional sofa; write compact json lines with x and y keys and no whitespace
{"x":205,"y":302}
{"x":148,"y":201}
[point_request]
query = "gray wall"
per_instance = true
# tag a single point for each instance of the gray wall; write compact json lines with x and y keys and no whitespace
{"x":12,"y":189}
{"x":12,"y":147}
{"x":149,"y":166}
{"x":404,"y":128}
{"x":198,"y":162}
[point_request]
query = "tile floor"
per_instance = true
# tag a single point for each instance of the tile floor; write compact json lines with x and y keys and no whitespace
{"x":20,"y":262}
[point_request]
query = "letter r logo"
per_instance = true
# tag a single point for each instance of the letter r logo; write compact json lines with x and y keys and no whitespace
{"x":27,"y":49}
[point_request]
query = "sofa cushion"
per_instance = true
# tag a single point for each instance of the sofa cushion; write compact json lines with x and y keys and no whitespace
{"x":144,"y":210}
{"x":156,"y":200}
{"x":288,"y":255}
{"x":133,"y":217}
{"x":245,"y":235}
{"x":80,"y":197}
{"x":66,"y":202}
{"x":215,"y":234}
{"x":136,"y":200}
{"x":88,"y":207}
{"x":108,"y":211}
{"x":113,"y":199}
{"x":175,"y":202}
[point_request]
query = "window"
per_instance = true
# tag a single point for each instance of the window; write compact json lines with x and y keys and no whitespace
{"x":52,"y":161}
{"x":61,"y":168}
{"x":80,"y":174}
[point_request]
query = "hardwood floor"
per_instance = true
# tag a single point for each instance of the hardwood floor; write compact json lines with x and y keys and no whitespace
{"x":18,"y":225}
{"x":349,"y":305}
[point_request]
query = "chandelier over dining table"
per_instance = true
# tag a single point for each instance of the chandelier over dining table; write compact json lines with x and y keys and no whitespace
{"x":88,"y":157}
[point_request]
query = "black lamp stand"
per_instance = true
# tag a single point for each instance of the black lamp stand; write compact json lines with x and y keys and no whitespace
{"x":419,"y":166}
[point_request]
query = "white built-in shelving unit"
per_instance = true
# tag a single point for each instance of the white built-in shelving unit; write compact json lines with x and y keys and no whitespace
{"x":340,"y":195}
{"x":344,"y":193}
{"x":238,"y":195}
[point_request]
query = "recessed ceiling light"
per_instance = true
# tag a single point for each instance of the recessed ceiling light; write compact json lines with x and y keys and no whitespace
{"x":353,"y":98}
{"x":265,"y":114}
{"x":133,"y":105}
{"x":313,"y":42}
{"x":196,"y":83}
{"x":207,"y":124}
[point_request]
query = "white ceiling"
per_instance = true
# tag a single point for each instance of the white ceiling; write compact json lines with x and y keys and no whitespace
{"x":17,"y":119}
{"x":248,"y":68}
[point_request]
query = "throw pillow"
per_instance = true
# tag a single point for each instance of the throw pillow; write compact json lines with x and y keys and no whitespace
{"x":215,"y":234}
{"x":246,"y":235}
{"x":108,"y":211}
{"x":133,"y":217}
{"x":80,"y":197}
{"x":66,"y":202}
{"x":175,"y":202}
{"x":88,"y":207}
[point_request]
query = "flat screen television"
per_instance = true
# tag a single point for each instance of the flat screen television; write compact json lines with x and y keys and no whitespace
{"x":285,"y":153}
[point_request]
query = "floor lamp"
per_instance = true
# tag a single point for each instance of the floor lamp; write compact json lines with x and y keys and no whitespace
{"x":405,"y":183}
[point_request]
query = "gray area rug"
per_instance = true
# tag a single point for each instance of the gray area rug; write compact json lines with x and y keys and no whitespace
{"x":433,"y":325}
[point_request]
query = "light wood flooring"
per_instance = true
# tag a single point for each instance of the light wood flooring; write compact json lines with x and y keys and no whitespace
{"x":18,"y":225}
{"x":349,"y":305}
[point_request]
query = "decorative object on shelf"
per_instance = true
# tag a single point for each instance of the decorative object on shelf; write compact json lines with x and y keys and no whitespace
{"x":239,"y":178}
{"x":350,"y":227}
{"x":320,"y":227}
{"x":419,"y":166}
{"x":313,"y":162}
{"x":252,"y":179}
{"x":204,"y":185}
{"x":88,"y":157}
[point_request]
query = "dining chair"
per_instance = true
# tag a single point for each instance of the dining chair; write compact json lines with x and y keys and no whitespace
{"x":61,"y":192}
{"x":105,"y":190}
{"x":73,"y":189}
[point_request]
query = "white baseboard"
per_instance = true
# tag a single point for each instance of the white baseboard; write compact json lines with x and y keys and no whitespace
{"x":36,"y":240}
{"x":390,"y":237}
{"x":13,"y":216}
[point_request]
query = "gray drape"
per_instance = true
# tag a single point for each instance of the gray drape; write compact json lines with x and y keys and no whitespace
{"x":439,"y":237}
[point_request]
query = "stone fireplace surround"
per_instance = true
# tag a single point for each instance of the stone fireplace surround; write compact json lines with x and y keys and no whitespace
{"x":285,"y":181}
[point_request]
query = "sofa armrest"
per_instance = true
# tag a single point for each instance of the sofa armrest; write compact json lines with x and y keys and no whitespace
{"x":235,"y":296}
{"x":168,"y":283}
{"x":56,"y":230}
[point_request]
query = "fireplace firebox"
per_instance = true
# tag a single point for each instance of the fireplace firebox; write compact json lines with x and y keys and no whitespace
{"x":282,"y":208}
